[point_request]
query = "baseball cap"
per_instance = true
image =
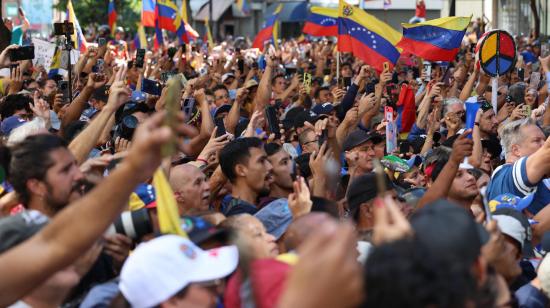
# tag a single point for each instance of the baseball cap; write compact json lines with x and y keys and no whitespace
{"x":11,"y":123}
{"x":322,"y":109}
{"x":222,"y":109}
{"x":359,"y":137}
{"x":290,"y":116}
{"x":511,"y":227}
{"x":160,"y":268}
{"x":449,"y":232}
{"x":101,"y":94}
{"x":363,"y":189}
{"x":276,"y":217}
{"x":511,"y":201}
{"x":18,"y":228}
{"x":227,"y":76}
{"x":200,"y":230}
{"x":527,"y":247}
{"x":305,"y":116}
{"x":250,"y":83}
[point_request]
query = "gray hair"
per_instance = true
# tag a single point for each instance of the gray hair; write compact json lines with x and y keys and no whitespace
{"x":37,"y":125}
{"x":511,"y":133}
{"x":450,"y":102}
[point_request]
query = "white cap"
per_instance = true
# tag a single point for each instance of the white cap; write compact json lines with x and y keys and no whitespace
{"x":162,"y":267}
{"x":511,"y":227}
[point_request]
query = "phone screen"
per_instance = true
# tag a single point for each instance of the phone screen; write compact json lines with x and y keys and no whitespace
{"x":151,"y":87}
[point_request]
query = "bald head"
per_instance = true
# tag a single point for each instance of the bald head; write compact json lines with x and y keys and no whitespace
{"x":305,"y":225}
{"x":191,"y":189}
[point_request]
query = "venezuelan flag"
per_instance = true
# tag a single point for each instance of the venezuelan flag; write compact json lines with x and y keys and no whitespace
{"x":435,"y":40}
{"x":183,"y":11}
{"x":166,"y":13}
{"x":56,"y":63}
{"x":167,"y":208}
{"x":243,"y":6}
{"x":266,"y":33}
{"x":368,"y":38}
{"x":191,"y":33}
{"x":208,"y":33}
{"x":111,"y":13}
{"x":140,"y":41}
{"x":77,"y":37}
{"x":148,"y":13}
{"x":322,"y":22}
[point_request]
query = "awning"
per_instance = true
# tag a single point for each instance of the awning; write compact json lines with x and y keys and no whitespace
{"x":219,"y":7}
{"x":291,"y":12}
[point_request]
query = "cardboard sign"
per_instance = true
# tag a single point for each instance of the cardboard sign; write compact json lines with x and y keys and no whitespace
{"x":43,"y":53}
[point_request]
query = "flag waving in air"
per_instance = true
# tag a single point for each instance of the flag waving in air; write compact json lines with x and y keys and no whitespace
{"x":148,"y":13}
{"x":243,"y":6}
{"x":166,"y":14}
{"x":322,"y":22}
{"x":368,"y":38}
{"x":140,"y":41}
{"x":266,"y":33}
{"x":111,"y":13}
{"x":435,"y":40}
{"x":56,"y":63}
{"x":77,"y":37}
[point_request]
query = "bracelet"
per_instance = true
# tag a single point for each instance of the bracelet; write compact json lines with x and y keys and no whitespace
{"x":202,"y":160}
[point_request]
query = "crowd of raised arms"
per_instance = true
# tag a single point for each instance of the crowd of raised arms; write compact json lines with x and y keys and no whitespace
{"x":302,"y":177}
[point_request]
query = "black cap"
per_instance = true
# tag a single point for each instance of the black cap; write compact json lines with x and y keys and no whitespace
{"x":359,"y":137}
{"x":290,"y":116}
{"x":101,"y":94}
{"x":200,"y":230}
{"x":363,"y":189}
{"x":18,"y":228}
{"x":305,"y":116}
{"x":222,"y":109}
{"x":448,"y":232}
{"x":528,"y":250}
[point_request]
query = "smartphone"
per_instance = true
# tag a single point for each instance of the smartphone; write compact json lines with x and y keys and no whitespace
{"x":446,"y":79}
{"x":306,"y":81}
{"x":240,"y":65}
{"x":101,"y":42}
{"x":172,"y":52}
{"x":534,"y":80}
{"x":183,"y":47}
{"x":220,"y":127}
{"x":370,"y":88}
{"x":62,"y":28}
{"x":232,"y":93}
{"x":526,"y":110}
{"x":187,"y":108}
{"x":521,"y":74}
{"x":323,"y":138}
{"x":63,"y":86}
{"x":544,"y":49}
{"x":415,"y":72}
{"x":273,"y":121}
{"x":22,"y":53}
{"x":140,"y":57}
{"x":386,"y":66}
{"x":152,"y":87}
{"x":347,"y":82}
{"x":98,"y":67}
{"x":488,"y":215}
{"x":472,"y":47}
{"x":427,"y":70}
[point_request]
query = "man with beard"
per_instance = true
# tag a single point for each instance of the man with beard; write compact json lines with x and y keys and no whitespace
{"x":191,"y":189}
{"x":281,"y":185}
{"x":45,"y":174}
{"x":488,"y":123}
{"x":244,"y":162}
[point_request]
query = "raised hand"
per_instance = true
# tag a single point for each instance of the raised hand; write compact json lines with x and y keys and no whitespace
{"x":389,"y":222}
{"x":299,"y":201}
{"x":462,"y":147}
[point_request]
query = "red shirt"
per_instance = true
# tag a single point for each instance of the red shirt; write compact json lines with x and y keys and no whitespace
{"x":420,"y":10}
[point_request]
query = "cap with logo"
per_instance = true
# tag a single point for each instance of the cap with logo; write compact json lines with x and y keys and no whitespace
{"x":162,"y":267}
{"x":359,"y":137}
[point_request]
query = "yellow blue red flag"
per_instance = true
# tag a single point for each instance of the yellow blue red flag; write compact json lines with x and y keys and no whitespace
{"x":167,"y":208}
{"x":322,"y":21}
{"x":436,"y":39}
{"x":77,"y":37}
{"x":368,"y":38}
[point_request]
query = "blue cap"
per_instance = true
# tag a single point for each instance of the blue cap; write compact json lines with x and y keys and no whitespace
{"x":321,"y":109}
{"x":11,"y":123}
{"x":276,"y":217}
{"x":511,"y":201}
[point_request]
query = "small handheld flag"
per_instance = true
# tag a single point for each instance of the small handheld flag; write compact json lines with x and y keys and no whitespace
{"x":112,"y":15}
{"x":266,"y":33}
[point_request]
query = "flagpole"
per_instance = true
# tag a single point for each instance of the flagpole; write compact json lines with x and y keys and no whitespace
{"x":337,"y":65}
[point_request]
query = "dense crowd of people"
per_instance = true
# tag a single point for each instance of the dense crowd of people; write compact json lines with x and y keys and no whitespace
{"x":286,"y":179}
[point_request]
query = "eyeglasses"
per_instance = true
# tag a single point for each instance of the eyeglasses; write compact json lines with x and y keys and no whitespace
{"x":311,"y":141}
{"x":222,"y":97}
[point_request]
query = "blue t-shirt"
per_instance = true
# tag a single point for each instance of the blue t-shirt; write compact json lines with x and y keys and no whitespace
{"x":512,"y":178}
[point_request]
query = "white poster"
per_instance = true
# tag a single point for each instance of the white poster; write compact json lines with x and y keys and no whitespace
{"x":43,"y":53}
